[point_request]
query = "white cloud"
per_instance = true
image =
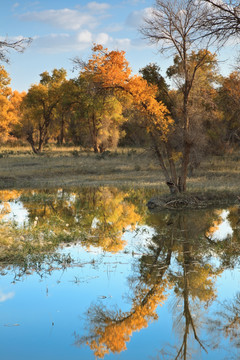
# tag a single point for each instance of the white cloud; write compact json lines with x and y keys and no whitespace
{"x":83,"y":40}
{"x":133,"y":2}
{"x":7,"y":296}
{"x":135,"y":19}
{"x":96,"y":7}
{"x":123,"y":44}
{"x":102,"y":38}
{"x":111,"y":43}
{"x":14,"y":6}
{"x":63,"y":18}
{"x":84,"y":36}
{"x":59,"y":43}
{"x":114,"y":27}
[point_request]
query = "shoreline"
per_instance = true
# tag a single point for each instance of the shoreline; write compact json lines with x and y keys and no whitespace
{"x":216,"y":180}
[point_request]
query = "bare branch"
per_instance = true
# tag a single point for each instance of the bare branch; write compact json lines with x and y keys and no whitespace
{"x":223,"y":20}
{"x":18,"y":45}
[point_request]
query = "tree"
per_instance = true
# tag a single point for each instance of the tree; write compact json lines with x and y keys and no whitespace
{"x":223,"y":19}
{"x":175,"y":26}
{"x":151,"y":73}
{"x":39,"y":107}
{"x":204,"y":114}
{"x":229,"y":102}
{"x":7,"y":112}
{"x":110,"y":72}
{"x":18,"y":45}
{"x":100,"y":114}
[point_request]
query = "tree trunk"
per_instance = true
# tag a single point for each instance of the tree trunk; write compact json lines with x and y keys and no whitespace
{"x":62,"y":131}
{"x":95,"y":148}
{"x":40,"y":142}
{"x":94,"y":135}
{"x":169,"y":181}
{"x":182,"y":181}
{"x":31,"y":142}
{"x":171,"y":164}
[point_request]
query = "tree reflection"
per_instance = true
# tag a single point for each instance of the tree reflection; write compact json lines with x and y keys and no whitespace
{"x":224,"y":325}
{"x":192,"y":276}
{"x":110,"y":330}
{"x":90,"y":217}
{"x":226,"y":245}
{"x":6,"y":196}
{"x":182,"y":259}
{"x":177,"y":257}
{"x":95,"y":217}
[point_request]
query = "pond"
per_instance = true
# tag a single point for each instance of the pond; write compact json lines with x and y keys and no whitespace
{"x":90,"y":273}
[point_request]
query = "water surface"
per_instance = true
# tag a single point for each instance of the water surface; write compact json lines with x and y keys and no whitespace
{"x":90,"y":273}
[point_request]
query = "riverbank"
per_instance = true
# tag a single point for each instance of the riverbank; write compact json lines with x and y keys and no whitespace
{"x":68,"y":167}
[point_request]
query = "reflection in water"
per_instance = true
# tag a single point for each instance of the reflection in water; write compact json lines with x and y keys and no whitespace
{"x":92,"y":217}
{"x":6,"y":196}
{"x":221,"y":228}
{"x":98,"y":217}
{"x":6,"y":296}
{"x":227,"y":321}
{"x":176,"y":258}
{"x":110,"y":330}
{"x":179,"y":265}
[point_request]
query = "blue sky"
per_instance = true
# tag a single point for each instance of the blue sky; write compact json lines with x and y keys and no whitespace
{"x":63,"y":29}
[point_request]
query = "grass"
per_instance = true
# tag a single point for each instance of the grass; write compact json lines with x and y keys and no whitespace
{"x":69,"y":166}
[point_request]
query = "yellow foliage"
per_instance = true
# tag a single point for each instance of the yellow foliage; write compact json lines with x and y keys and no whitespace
{"x":110,"y":70}
{"x":114,"y":216}
{"x":5,"y":197}
{"x":117,"y":332}
{"x":8,"y":101}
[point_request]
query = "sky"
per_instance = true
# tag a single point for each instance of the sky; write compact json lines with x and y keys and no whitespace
{"x":64,"y":29}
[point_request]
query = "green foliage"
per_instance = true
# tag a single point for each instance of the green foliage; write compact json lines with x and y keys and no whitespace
{"x":151,"y":73}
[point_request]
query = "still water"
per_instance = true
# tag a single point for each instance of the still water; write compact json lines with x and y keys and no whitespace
{"x":91,"y":273}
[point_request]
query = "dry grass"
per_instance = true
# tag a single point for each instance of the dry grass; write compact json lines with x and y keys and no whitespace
{"x":58,"y":167}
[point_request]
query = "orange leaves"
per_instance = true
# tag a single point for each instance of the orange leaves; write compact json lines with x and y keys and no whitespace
{"x":110,"y":70}
{"x":231,"y":85}
{"x":144,"y":96}
{"x":118,"y":329}
{"x":8,"y":101}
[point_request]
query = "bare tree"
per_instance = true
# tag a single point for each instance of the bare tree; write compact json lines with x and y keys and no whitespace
{"x":223,"y":20}
{"x":175,"y":27}
{"x":18,"y":45}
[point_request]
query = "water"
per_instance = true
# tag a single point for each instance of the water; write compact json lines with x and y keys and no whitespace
{"x":90,"y":273}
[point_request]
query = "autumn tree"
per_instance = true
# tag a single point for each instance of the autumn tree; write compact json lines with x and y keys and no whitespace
{"x":8,"y":115}
{"x":109,"y":70}
{"x":40,"y":106}
{"x":228,"y":100}
{"x":175,"y":27}
{"x":152,"y":73}
{"x":135,"y":131}
{"x":99,"y":114}
{"x":204,"y":115}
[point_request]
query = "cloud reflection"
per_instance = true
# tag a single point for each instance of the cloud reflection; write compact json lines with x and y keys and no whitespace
{"x":6,"y":296}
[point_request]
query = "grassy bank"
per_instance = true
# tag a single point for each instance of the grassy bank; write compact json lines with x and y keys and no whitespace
{"x":58,"y":167}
